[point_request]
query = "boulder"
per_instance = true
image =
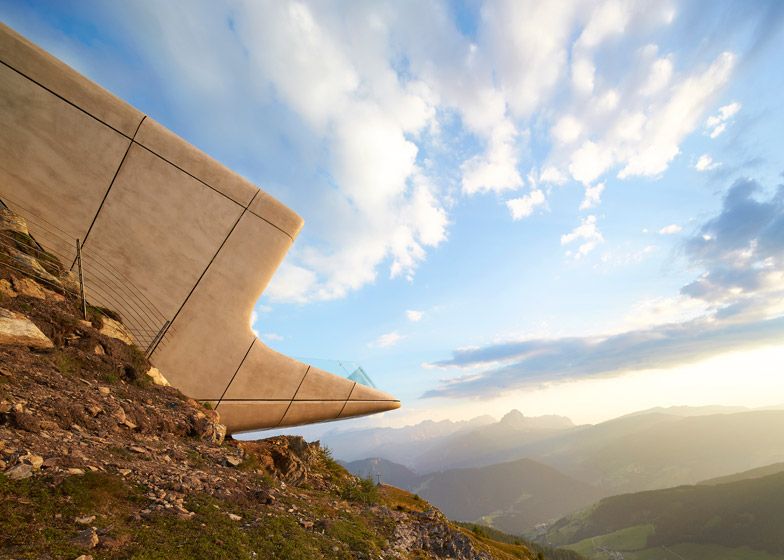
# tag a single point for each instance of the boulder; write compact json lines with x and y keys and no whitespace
{"x":11,"y":221}
{"x":6,"y":290}
{"x":18,"y":330}
{"x":29,"y":287}
{"x":157,"y":377}
{"x":20,"y":471}
{"x":115,"y":329}
{"x":34,"y":461}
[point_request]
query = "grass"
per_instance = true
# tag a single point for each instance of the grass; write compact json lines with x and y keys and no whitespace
{"x":395,"y":498}
{"x":37,"y":521}
{"x":629,"y":539}
{"x":361,"y":490}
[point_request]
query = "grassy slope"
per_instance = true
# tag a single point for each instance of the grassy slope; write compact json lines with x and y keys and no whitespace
{"x":746,"y":475}
{"x":747,"y":513}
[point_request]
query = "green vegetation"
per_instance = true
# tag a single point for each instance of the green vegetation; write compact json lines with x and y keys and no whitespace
{"x":518,"y":544}
{"x":38,"y":521}
{"x":362,"y":490}
{"x":746,"y":513}
{"x":624,"y":540}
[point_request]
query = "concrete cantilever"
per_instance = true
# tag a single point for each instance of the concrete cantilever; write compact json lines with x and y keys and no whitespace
{"x":199,"y":242}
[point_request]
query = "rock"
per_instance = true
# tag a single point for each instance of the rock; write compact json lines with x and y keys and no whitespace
{"x":2,"y":465}
{"x":93,"y":409}
{"x":157,"y":377}
{"x":86,"y":520}
{"x":18,"y":330}
{"x":136,"y":449}
{"x":104,"y":390}
{"x":6,"y":290}
{"x":99,"y":351}
{"x":29,"y":287}
{"x":84,"y":557}
{"x":206,"y":426}
{"x":11,"y":221}
{"x":234,"y":517}
{"x":75,"y":472}
{"x":20,"y":471}
{"x":85,"y":324}
{"x":115,"y":329}
{"x":233,"y":460}
{"x":25,"y":421}
{"x":124,"y":472}
{"x":35,"y":461}
{"x":87,"y":538}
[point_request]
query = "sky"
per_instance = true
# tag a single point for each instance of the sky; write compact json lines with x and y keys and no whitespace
{"x":567,"y":208}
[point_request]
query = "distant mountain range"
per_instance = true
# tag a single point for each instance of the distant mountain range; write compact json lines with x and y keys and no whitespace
{"x":743,"y":519}
{"x":521,"y":463}
{"x":512,"y":497}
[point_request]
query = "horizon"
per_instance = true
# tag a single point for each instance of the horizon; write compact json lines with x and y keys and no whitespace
{"x":586,"y":226}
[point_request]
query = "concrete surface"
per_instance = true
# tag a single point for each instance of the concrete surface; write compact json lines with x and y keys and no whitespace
{"x":169,"y":234}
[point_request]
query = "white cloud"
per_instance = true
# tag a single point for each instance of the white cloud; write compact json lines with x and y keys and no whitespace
{"x":496,"y":169}
{"x":593,"y":196}
{"x":588,"y":233}
{"x":363,"y":99}
{"x":566,"y":130}
{"x":705,"y":163}
{"x":387,"y":340}
{"x":589,"y":162}
{"x":524,"y":206}
{"x":671,"y":229}
{"x":414,"y":316}
{"x":716,"y":124}
{"x":271,"y":337}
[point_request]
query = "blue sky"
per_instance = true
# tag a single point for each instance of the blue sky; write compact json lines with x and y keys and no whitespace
{"x":566,"y":207}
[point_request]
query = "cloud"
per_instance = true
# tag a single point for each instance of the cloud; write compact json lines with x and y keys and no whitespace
{"x":533,"y":362}
{"x":717,"y":124}
{"x":705,"y":163}
{"x":271,"y":337}
{"x":736,"y":302}
{"x":348,"y":114}
{"x":387,"y":340}
{"x":671,"y":229}
{"x":414,"y":316}
{"x":593,"y":196}
{"x":587,"y":233}
{"x":524,"y":206}
{"x":742,"y":254}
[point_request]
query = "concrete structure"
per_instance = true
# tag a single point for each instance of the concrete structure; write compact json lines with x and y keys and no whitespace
{"x":197,"y":242}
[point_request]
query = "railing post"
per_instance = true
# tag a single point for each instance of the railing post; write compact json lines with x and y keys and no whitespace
{"x":81,"y":278}
{"x":153,"y":342}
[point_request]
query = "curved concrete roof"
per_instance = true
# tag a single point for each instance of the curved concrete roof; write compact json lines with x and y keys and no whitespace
{"x":197,"y":241}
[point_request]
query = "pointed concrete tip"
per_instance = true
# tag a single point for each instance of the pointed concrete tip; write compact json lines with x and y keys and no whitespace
{"x":365,"y":393}
{"x":362,"y":408}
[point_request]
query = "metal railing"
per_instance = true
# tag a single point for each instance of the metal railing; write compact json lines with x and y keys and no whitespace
{"x":100,"y":283}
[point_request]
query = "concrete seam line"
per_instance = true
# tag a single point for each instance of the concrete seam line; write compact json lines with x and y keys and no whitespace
{"x":111,"y":184}
{"x":354,"y":386}
{"x":71,"y":103}
{"x":236,"y":372}
{"x":268,"y":400}
{"x":142,"y":146}
{"x":301,"y":381}
{"x":206,"y":184}
{"x":198,"y":281}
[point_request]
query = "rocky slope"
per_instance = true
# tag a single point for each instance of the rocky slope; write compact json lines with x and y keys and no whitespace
{"x":99,"y":460}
